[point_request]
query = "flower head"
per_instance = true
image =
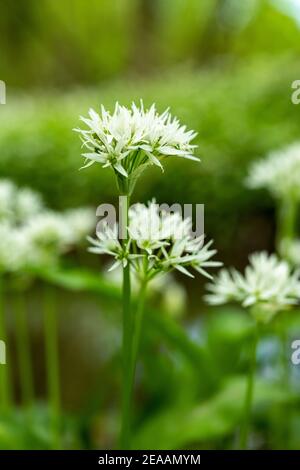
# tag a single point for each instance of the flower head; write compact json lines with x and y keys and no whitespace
{"x":132,"y":138}
{"x":268,"y":286}
{"x":158,"y":242}
{"x":81,"y":221}
{"x":279,"y":172}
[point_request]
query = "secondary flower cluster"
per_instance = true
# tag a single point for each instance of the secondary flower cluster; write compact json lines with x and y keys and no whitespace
{"x":31,"y":235}
{"x":279,"y":172}
{"x":268,"y":286}
{"x":158,"y":241}
{"x":132,"y":138}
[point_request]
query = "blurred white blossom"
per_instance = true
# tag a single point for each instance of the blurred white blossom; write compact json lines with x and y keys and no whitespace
{"x":33,"y":236}
{"x":27,"y":204}
{"x":81,"y":222}
{"x":268,"y":286}
{"x":279,"y":172}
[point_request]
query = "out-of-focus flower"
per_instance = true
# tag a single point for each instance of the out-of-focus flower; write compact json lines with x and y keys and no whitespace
{"x":81,"y":222}
{"x":153,"y":245}
{"x":33,"y":236}
{"x":48,"y":235}
{"x":279,"y":172}
{"x":132,"y":138}
{"x":28,"y":203}
{"x":267,"y":286}
{"x":13,"y":249}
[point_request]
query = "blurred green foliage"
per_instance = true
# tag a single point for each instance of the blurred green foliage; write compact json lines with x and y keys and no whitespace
{"x":225,"y":67}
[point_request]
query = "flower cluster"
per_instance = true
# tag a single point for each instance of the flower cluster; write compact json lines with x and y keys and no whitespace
{"x":279,"y":172}
{"x":158,"y":241}
{"x":132,"y":138}
{"x":267,"y":286}
{"x":31,"y":235}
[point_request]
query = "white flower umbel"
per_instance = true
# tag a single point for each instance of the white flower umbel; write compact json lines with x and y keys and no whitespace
{"x":13,"y":249}
{"x":80,"y":222}
{"x":158,"y":242}
{"x":28,"y":203}
{"x":267,"y":286}
{"x":279,"y":172}
{"x":132,"y":138}
{"x":48,"y":235}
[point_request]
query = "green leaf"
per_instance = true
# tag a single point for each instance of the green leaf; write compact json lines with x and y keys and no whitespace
{"x":217,"y":417}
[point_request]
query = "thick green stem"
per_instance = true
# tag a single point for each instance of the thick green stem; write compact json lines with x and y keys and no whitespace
{"x":249,"y":394}
{"x":286,"y":221}
{"x":127,"y":336}
{"x":5,"y":389}
{"x":137,"y":328}
{"x":23,"y":347}
{"x":52,"y":364}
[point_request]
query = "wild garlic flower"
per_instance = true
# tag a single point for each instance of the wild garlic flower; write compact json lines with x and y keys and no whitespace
{"x":81,"y":222}
{"x":18,"y":204}
{"x":13,"y":249}
{"x":267,"y":286}
{"x":158,"y":242}
{"x":28,"y":203}
{"x":130,"y":139}
{"x":49,"y":236}
{"x":279,"y":172}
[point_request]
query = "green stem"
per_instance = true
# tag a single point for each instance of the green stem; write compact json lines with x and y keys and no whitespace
{"x":249,"y":394}
{"x":5,"y":389}
{"x":52,"y":364}
{"x":286,"y":221}
{"x":127,"y":339}
{"x":138,"y":320}
{"x":23,"y":347}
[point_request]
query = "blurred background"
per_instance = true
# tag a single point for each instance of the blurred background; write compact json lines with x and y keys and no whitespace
{"x":225,"y":68}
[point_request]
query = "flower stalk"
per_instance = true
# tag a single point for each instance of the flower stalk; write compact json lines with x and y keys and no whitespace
{"x":52,"y":365}
{"x":249,"y":393}
{"x":127,"y":335}
{"x":5,"y":389}
{"x":24,"y":352}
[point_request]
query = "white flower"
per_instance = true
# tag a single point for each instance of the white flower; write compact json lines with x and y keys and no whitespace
{"x":107,"y":243}
{"x":81,"y":223}
{"x":13,"y":248}
{"x":268,"y":285}
{"x":153,"y":245}
{"x":27,"y":204}
{"x":48,"y":235}
{"x":132,"y":138}
{"x":279,"y":172}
